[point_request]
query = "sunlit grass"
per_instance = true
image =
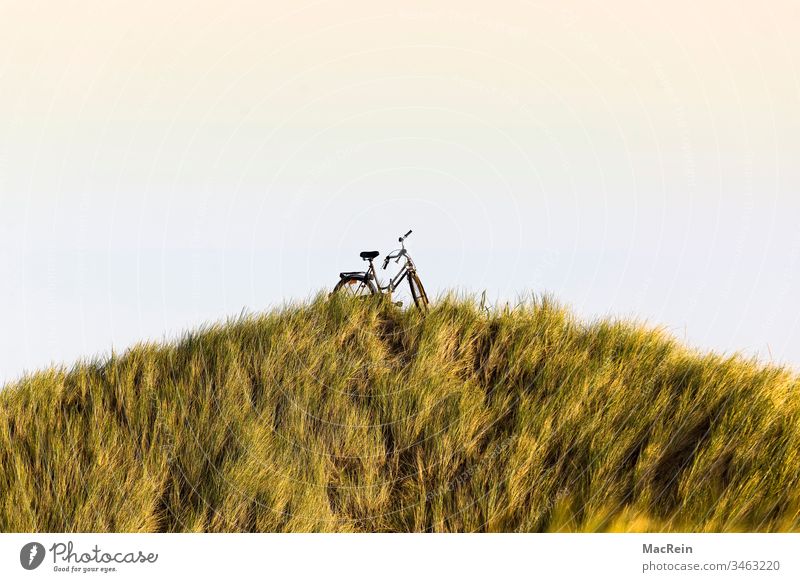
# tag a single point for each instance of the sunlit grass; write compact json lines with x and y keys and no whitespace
{"x":353,"y":416}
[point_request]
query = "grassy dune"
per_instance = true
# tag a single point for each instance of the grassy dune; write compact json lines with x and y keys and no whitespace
{"x":343,"y":416}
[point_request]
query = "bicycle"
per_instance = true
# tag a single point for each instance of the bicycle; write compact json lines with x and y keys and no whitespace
{"x":366,"y":283}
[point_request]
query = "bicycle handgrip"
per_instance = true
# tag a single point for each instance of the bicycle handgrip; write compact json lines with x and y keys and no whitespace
{"x":406,"y":234}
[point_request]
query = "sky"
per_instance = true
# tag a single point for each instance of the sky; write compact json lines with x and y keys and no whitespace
{"x":167,"y":164}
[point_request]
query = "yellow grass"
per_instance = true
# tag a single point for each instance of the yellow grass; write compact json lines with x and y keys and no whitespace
{"x":355,"y":416}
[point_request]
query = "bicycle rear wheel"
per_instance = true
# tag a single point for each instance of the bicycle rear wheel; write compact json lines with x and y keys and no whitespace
{"x":418,"y":292}
{"x":355,"y":287}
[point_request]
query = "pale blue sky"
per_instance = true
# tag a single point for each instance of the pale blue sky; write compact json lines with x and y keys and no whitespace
{"x":167,"y":164}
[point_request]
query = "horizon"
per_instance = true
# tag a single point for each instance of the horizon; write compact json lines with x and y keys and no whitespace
{"x":528,"y":300}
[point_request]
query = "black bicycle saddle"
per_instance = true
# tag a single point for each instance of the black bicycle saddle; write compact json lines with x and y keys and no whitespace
{"x":369,"y":254}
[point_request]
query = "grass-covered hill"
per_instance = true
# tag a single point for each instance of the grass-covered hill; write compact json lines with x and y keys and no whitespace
{"x":353,"y":416}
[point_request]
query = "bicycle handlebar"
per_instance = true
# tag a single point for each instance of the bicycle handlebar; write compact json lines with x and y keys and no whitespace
{"x":400,"y":254}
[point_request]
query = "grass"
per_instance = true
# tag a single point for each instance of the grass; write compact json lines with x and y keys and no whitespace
{"x":350,"y":416}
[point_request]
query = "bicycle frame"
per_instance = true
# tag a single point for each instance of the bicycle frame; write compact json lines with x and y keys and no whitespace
{"x":371,"y":274}
{"x":395,"y":281}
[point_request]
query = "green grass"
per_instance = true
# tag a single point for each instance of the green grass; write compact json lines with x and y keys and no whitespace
{"x":352,"y":416}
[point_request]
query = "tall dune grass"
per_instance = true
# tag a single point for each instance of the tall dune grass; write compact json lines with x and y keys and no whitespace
{"x":351,"y":416}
